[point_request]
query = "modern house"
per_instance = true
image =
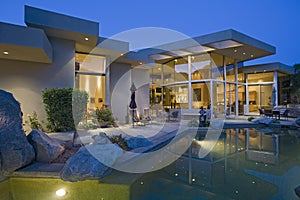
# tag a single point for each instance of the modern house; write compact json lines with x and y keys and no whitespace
{"x":55,"y":50}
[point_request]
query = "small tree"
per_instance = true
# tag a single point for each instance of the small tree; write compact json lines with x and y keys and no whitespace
{"x":295,"y":80}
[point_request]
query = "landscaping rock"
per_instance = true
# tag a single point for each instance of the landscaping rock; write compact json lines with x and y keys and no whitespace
{"x":297,"y":121}
{"x":91,"y":162}
{"x":297,"y":191}
{"x":15,"y":150}
{"x":46,"y":148}
{"x":263,"y":120}
{"x":101,"y":139}
{"x":138,"y":141}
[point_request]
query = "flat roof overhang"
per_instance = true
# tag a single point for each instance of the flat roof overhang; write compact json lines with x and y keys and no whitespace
{"x":62,"y":26}
{"x":268,"y":67}
{"x":105,"y":47}
{"x":229,"y":43}
{"x":24,"y":44}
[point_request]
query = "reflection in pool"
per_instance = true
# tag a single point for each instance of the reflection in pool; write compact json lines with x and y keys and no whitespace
{"x":244,"y":164}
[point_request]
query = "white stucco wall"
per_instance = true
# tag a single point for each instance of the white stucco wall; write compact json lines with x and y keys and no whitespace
{"x":141,"y":79}
{"x":26,"y":80}
{"x":120,"y":76}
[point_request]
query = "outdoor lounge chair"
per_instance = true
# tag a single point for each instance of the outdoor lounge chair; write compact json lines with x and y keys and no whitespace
{"x":268,"y":113}
{"x":284,"y":113}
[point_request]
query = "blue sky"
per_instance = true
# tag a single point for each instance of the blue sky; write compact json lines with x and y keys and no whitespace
{"x":272,"y":21}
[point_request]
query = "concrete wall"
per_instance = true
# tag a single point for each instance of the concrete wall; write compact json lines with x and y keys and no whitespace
{"x":26,"y":80}
{"x":141,"y":79}
{"x":120,"y":76}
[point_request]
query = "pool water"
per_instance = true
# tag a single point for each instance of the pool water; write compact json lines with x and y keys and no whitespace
{"x":244,"y":164}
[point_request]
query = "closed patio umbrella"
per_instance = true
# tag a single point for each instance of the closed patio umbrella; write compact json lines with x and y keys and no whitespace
{"x":273,"y":97}
{"x":132,"y":104}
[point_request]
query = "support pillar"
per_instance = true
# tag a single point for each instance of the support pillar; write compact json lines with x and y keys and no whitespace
{"x":190,"y":92}
{"x":107,"y":82}
{"x":236,"y":89}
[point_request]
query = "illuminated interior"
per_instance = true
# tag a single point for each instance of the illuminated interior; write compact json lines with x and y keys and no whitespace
{"x":90,"y":77}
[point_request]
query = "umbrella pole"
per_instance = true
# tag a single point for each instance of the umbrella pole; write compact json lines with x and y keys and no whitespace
{"x":133,"y":118}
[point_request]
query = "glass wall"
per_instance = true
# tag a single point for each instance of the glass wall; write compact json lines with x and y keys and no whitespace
{"x":170,"y":87}
{"x":260,"y":77}
{"x":90,"y":76}
{"x":201,"y":67}
{"x":95,"y":86}
{"x":284,"y":94}
{"x":201,"y":95}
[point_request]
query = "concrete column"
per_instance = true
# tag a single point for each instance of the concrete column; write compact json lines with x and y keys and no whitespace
{"x":190,"y":92}
{"x":211,"y":92}
{"x":107,"y":81}
{"x":236,"y":89}
{"x":275,"y":85}
{"x":225,"y":81}
{"x":162,"y":83}
{"x":247,"y":92}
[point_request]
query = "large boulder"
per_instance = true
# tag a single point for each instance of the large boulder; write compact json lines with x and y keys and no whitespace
{"x":46,"y":148}
{"x":297,"y":121}
{"x":138,"y":141}
{"x":297,"y":191}
{"x":101,"y":139}
{"x":15,"y":150}
{"x":92,"y":161}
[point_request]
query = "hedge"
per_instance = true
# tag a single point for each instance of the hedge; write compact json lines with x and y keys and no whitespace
{"x":61,"y":114}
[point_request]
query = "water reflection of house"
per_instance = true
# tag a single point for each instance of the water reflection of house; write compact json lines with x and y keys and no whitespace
{"x":234,"y":147}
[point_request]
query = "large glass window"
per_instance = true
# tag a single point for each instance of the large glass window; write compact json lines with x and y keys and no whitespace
{"x":94,"y":85}
{"x":284,"y":88}
{"x":260,"y":77}
{"x":201,"y":67}
{"x":90,"y":63}
{"x":90,"y":76}
{"x":201,"y":95}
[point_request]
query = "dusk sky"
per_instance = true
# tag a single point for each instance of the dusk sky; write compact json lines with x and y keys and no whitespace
{"x":272,"y":21}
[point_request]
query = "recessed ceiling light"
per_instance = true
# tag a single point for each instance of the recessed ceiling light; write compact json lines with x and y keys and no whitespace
{"x":175,"y":60}
{"x":235,"y":51}
{"x":251,"y":55}
{"x":86,"y":38}
{"x":5,"y":52}
{"x":244,"y":53}
{"x":141,"y":63}
{"x":122,"y":54}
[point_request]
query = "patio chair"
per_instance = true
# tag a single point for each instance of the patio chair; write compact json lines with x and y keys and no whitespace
{"x":261,"y":112}
{"x":268,"y":113}
{"x":174,"y":116}
{"x":284,"y":113}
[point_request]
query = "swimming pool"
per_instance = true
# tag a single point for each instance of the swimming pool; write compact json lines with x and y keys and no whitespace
{"x":244,"y":164}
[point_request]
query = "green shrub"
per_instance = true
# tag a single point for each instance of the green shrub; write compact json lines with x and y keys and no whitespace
{"x":61,"y":115}
{"x":119,"y":140}
{"x":250,"y":118}
{"x":34,"y":122}
{"x":104,"y":115}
